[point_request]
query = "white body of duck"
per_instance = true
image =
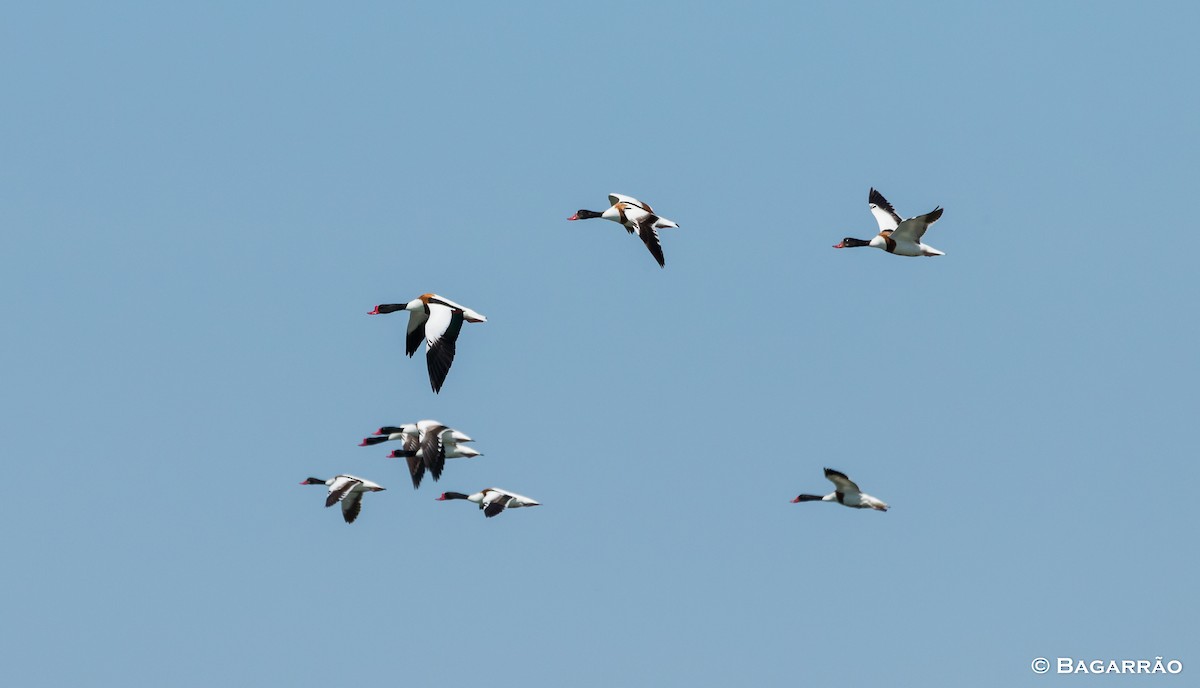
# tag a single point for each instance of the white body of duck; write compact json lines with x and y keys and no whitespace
{"x":348,"y":490}
{"x":492,"y":500}
{"x":637,"y":218}
{"x":437,"y":320}
{"x":898,"y":236}
{"x":846,"y":494}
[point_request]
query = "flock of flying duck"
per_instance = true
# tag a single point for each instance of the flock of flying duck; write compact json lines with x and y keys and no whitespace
{"x":438,"y":321}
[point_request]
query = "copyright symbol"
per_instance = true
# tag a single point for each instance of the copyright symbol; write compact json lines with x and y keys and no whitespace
{"x":1040,"y":665}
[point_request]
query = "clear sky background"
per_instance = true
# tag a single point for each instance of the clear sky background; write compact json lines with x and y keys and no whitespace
{"x":201,"y":203}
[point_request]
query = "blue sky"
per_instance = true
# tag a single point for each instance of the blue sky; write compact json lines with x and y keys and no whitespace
{"x":202,"y":202}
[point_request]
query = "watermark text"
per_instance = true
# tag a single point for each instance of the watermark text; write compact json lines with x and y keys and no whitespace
{"x":1071,"y":665}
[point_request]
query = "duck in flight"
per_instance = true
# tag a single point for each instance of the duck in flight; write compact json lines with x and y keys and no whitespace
{"x":427,"y":445}
{"x":637,"y":218}
{"x":437,"y":320}
{"x":348,"y":490}
{"x":846,"y":494}
{"x":492,"y":500}
{"x":898,"y":236}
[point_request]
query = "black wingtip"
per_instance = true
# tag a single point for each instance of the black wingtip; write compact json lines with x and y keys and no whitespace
{"x":440,"y":358}
{"x":878,"y":199}
{"x":830,"y":472}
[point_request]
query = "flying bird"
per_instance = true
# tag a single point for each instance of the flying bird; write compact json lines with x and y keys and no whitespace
{"x":438,"y":321}
{"x":901,"y":237}
{"x":846,"y":494}
{"x":427,"y":445}
{"x":637,"y":218}
{"x":348,"y":490}
{"x":492,"y":500}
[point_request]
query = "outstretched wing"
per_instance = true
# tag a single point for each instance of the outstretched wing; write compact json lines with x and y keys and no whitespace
{"x":496,"y":506}
{"x":416,"y":462}
{"x":441,"y":333}
{"x":883,"y":211}
{"x":433,"y":452}
{"x":351,"y":505}
{"x":416,"y":330}
{"x":342,"y":485}
{"x":841,"y":482}
{"x":615,"y":198}
{"x":914,"y":228}
{"x":416,"y":469}
{"x":649,"y":236}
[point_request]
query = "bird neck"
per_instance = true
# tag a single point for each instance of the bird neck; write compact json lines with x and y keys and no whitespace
{"x":388,"y":308}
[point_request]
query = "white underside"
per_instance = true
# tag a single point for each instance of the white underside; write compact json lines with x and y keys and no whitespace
{"x":496,"y":493}
{"x":906,"y":248}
